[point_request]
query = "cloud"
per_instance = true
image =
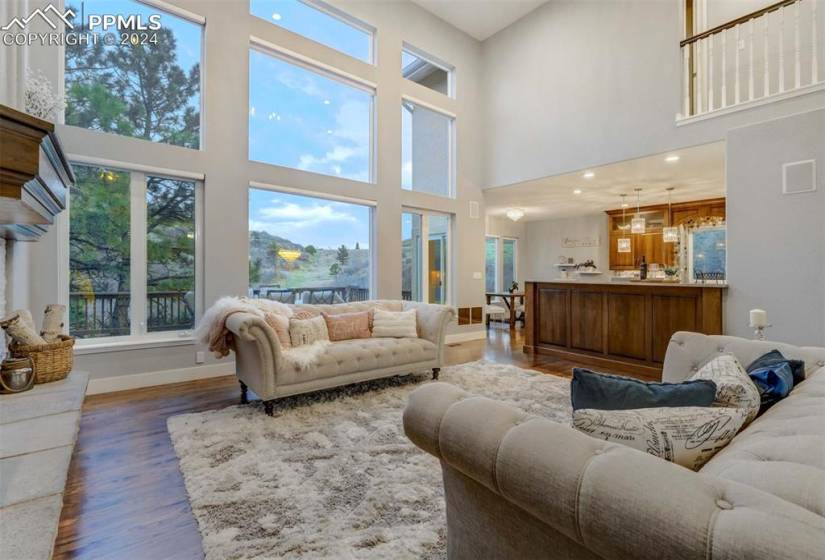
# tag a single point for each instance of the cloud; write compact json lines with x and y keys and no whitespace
{"x":308,"y":86}
{"x":304,"y":216}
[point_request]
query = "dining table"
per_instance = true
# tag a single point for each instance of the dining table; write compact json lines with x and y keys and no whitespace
{"x":509,"y":299}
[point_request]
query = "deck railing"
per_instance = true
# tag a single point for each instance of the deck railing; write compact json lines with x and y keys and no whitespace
{"x":107,"y":313}
{"x":765,"y":54}
{"x":324,"y":295}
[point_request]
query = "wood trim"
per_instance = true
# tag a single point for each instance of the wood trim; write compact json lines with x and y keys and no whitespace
{"x":675,"y":205}
{"x":735,"y":22}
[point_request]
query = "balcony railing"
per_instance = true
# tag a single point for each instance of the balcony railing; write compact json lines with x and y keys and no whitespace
{"x":326,"y":295}
{"x":107,"y":313}
{"x":765,"y":55}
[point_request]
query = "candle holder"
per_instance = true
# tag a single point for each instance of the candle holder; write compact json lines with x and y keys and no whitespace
{"x":759,"y":332}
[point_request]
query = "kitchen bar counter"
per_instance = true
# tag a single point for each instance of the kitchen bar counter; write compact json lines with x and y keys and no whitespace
{"x":617,"y":326}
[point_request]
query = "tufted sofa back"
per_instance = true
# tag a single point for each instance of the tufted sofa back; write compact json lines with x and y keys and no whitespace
{"x":688,"y":351}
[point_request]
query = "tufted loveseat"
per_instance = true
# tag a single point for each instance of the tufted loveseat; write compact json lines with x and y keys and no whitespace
{"x":520,"y":487}
{"x":259,"y":364}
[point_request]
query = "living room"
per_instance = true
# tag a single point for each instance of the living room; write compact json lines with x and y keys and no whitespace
{"x":194,"y":190}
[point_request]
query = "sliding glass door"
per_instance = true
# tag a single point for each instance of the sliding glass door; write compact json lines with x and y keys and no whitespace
{"x":425,"y":267}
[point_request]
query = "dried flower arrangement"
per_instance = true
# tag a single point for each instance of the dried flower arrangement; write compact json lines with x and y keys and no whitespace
{"x":41,"y":99}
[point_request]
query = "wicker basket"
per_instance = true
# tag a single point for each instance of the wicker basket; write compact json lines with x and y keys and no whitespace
{"x":52,"y":361}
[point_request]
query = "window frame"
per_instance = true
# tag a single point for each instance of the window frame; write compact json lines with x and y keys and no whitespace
{"x":371,"y":205}
{"x":175,"y":11}
{"x":424,"y":280}
{"x":500,"y":239}
{"x":341,"y":16}
{"x":451,"y":150}
{"x":138,"y":274}
{"x":289,"y":57}
{"x":435,"y":61}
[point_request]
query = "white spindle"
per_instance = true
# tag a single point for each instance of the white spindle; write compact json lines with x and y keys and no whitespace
{"x":797,"y":65}
{"x":814,"y":64}
{"x":750,"y":55}
{"x":724,"y":68}
{"x":686,"y":78}
{"x":710,"y":73}
{"x":700,"y":82}
{"x":781,"y":50}
{"x":736,"y":69}
{"x":767,"y":87}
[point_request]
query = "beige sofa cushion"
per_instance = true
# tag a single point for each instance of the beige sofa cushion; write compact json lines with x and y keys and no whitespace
{"x":363,"y":354}
{"x":783,"y":451}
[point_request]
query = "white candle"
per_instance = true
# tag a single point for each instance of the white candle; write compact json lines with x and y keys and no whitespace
{"x":759,"y":318}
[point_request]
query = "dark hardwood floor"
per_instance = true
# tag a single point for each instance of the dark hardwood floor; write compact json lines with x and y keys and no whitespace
{"x":125,"y":496}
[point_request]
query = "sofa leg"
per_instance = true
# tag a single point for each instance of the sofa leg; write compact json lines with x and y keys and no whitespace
{"x":436,"y":371}
{"x":244,"y":398}
{"x":268,"y":407}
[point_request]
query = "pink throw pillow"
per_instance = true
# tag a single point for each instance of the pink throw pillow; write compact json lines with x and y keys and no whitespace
{"x":347,"y":326}
{"x":280,"y":324}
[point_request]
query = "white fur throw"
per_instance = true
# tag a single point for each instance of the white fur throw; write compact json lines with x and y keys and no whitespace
{"x":394,"y":324}
{"x":305,"y":356}
{"x":212,"y":330}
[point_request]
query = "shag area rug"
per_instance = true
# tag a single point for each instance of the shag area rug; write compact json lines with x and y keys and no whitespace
{"x":332,"y":475}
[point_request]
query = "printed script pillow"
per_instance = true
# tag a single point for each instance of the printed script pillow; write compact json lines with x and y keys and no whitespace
{"x":590,"y":389}
{"x":346,"y":326}
{"x":307,"y":331}
{"x":394,"y":324}
{"x":734,"y":387}
{"x":280,"y":324}
{"x":688,"y":436}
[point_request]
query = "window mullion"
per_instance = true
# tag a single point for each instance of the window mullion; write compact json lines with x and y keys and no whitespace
{"x":425,"y":258}
{"x":138,"y":251}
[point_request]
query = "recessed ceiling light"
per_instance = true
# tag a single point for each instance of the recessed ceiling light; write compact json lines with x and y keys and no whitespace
{"x":588,"y":175}
{"x":672,"y":159}
{"x":577,"y":191}
{"x":276,"y":16}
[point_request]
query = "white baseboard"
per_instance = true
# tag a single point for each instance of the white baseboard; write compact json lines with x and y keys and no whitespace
{"x":456,"y":338}
{"x":152,"y":378}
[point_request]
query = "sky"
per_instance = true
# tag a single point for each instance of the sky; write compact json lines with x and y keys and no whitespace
{"x":305,"y":220}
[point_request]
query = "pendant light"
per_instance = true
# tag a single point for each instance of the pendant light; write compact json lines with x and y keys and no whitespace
{"x":637,"y":224}
{"x":670,"y":234}
{"x":515,"y":214}
{"x":623,"y":242}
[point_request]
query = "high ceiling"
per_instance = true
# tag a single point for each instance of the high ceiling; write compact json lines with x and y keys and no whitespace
{"x":480,"y":18}
{"x":699,"y":173}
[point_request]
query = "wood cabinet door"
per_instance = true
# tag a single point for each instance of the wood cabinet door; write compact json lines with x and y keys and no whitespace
{"x":627,"y":326}
{"x":682,"y":215}
{"x":619,"y":261}
{"x":671,"y":314}
{"x":553,"y":311}
{"x":651,"y":246}
{"x":586,"y":310}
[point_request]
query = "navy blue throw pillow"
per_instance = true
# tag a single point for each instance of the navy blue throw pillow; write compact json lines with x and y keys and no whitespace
{"x":774,"y":358}
{"x":602,"y":391}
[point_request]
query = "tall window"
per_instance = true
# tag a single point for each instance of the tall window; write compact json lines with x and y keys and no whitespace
{"x":320,"y":22}
{"x":426,"y":150}
{"x":500,"y":263}
{"x":425,"y":272}
{"x":308,"y":119}
{"x":508,"y":263}
{"x":490,"y":263}
{"x":411,"y":256}
{"x":149,"y":88}
{"x":132,"y":253}
{"x":425,"y":70}
{"x":308,"y":250}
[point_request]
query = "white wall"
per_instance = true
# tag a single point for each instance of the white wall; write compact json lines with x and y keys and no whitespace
{"x":228,"y":173}
{"x":776,"y":242}
{"x":576,"y":84}
{"x":544,"y":245}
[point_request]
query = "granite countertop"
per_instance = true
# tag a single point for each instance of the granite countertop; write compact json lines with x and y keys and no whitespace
{"x":629,"y":282}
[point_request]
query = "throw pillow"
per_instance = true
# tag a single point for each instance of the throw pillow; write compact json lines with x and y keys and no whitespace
{"x":775,"y":358}
{"x":590,"y":389}
{"x":280,"y":324}
{"x":346,"y":326}
{"x":688,"y":436}
{"x":733,"y":386}
{"x":394,"y":324}
{"x":773,"y":382}
{"x":307,"y":331}
{"x":303,"y":314}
